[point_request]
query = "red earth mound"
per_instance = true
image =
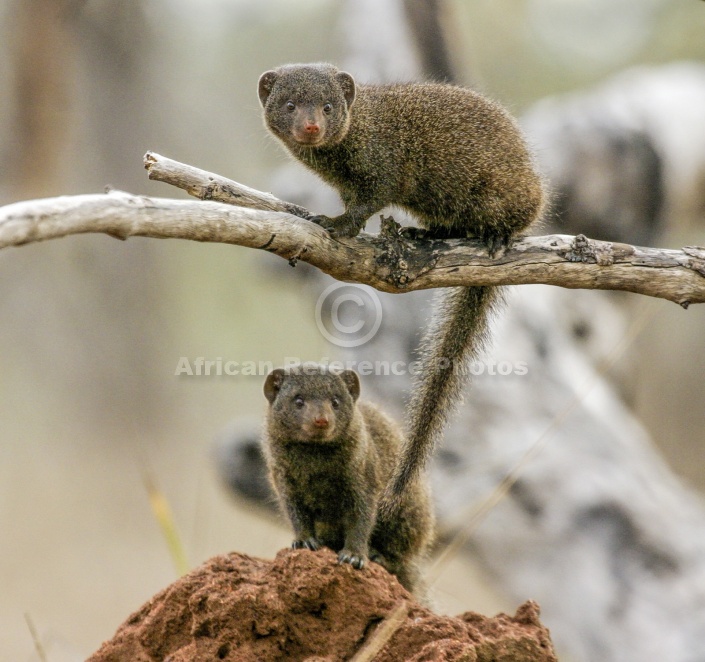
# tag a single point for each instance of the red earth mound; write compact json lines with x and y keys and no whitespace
{"x":304,"y":606}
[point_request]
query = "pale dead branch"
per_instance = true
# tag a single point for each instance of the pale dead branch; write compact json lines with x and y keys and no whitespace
{"x":388,"y":262}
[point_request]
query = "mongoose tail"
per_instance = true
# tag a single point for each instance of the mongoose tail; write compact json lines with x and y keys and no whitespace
{"x":458,"y":334}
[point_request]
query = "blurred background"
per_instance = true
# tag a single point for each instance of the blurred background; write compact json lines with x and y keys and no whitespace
{"x":92,"y":330}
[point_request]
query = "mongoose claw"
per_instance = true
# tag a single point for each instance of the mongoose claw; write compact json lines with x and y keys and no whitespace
{"x":496,"y":242}
{"x":376,"y":557}
{"x":411,"y":232}
{"x":309,"y":543}
{"x":357,"y":561}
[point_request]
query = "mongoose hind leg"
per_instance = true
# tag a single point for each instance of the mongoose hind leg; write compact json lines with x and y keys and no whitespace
{"x":406,"y":571}
{"x":377,"y":557}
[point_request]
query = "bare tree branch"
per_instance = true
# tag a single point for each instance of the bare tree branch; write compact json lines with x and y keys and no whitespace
{"x":388,"y":262}
{"x":206,"y":185}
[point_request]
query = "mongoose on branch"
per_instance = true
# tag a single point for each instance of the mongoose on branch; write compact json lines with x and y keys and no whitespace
{"x":451,"y":157}
{"x":329,"y":459}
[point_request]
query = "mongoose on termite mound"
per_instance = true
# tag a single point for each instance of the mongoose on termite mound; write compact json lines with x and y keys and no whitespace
{"x":451,"y":157}
{"x":329,"y":458}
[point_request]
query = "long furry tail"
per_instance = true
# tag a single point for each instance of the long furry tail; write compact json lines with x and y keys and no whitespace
{"x":458,"y":333}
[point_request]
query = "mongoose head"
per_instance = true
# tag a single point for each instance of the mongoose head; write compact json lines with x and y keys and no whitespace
{"x":307,"y":105}
{"x":309,"y":403}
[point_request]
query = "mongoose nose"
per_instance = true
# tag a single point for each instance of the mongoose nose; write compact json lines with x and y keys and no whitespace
{"x":312,"y":127}
{"x":320,"y":422}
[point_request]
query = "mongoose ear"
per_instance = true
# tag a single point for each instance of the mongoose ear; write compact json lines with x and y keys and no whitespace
{"x":352,"y":381}
{"x":347,"y":83}
{"x":265,"y":85}
{"x":273,"y":383}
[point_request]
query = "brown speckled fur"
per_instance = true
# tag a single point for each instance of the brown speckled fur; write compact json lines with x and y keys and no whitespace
{"x":448,"y":155}
{"x":329,"y":482}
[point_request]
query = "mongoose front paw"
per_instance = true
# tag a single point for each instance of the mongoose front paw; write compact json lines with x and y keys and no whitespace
{"x":325,"y":222}
{"x":309,"y":543}
{"x":357,"y":561}
{"x":336,"y":227}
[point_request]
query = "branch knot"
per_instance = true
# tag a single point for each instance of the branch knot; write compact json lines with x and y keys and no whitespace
{"x":584,"y":250}
{"x":401,"y":258}
{"x":697,"y":264}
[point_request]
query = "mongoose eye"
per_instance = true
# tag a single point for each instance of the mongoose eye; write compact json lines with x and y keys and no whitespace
{"x":327,"y":107}
{"x":335,"y":402}
{"x":299,"y":401}
{"x":290,"y":105}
